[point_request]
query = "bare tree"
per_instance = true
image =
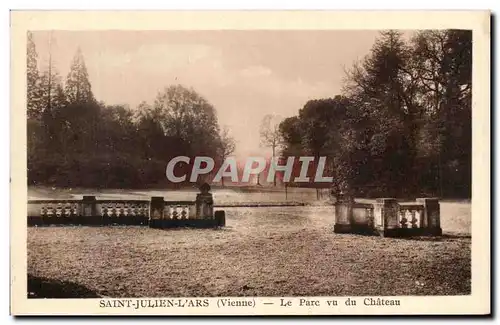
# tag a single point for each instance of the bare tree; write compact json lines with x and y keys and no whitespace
{"x":270,"y":135}
{"x":227,"y":146}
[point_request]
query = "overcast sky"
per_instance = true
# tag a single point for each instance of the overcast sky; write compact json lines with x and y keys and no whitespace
{"x":244,"y":74}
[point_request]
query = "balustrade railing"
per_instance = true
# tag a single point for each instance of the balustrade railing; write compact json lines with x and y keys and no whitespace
{"x":388,"y":217}
{"x":156,"y":212}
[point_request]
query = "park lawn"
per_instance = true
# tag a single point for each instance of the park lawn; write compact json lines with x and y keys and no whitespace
{"x":262,"y":252}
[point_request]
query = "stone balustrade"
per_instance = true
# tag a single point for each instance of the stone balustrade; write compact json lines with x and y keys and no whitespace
{"x":388,"y":217}
{"x":156,"y":213}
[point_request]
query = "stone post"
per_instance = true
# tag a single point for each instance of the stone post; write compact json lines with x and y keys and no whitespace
{"x":431,"y":217}
{"x":386,"y":211}
{"x":343,"y":214}
{"x":204,"y":203}
{"x":89,"y":206}
{"x":156,"y":208}
{"x":89,"y":213}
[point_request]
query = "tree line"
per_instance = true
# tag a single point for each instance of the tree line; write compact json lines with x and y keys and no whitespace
{"x":76,"y":141}
{"x":402,"y":123}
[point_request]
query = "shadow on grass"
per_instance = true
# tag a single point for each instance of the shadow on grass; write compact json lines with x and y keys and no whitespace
{"x":49,"y":288}
{"x":218,"y":229}
{"x":444,"y":237}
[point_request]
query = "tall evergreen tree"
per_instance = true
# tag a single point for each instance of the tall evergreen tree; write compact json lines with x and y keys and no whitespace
{"x":34,"y":106}
{"x":52,"y":91}
{"x":78,"y":88}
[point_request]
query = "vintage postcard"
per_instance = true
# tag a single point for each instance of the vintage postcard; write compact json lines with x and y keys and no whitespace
{"x":250,"y":163}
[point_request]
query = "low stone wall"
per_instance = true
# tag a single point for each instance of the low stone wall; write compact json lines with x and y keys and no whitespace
{"x":157,"y":213}
{"x":387,"y":217}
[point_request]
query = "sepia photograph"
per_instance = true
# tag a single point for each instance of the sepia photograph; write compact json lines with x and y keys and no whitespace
{"x":229,"y":164}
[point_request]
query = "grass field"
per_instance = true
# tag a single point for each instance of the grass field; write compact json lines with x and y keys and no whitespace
{"x":283,"y":251}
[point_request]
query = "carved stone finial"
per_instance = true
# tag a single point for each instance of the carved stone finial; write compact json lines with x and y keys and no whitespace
{"x":205,"y":188}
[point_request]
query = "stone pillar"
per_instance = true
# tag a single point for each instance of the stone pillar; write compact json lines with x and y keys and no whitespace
{"x":204,"y":203}
{"x":156,"y":208}
{"x":220,"y":218}
{"x":343,"y":214}
{"x":89,"y":206}
{"x":386,"y":211}
{"x":89,"y":214}
{"x":432,"y":219}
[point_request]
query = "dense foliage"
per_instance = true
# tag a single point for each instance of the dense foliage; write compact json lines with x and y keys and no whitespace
{"x":76,"y":141}
{"x":402,"y":126}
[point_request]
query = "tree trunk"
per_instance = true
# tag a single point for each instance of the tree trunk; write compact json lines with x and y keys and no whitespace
{"x":274,"y":176}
